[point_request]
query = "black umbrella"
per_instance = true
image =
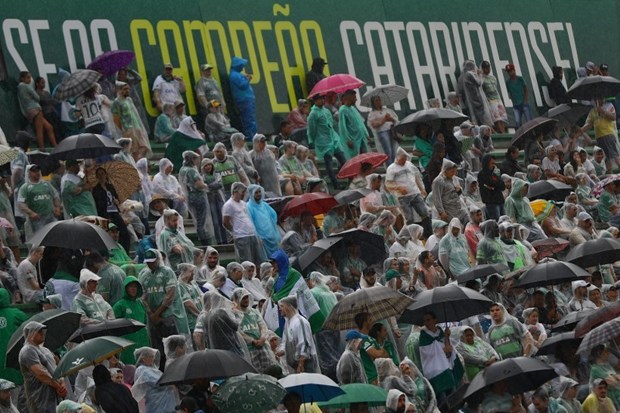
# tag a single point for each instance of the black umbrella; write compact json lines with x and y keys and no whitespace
{"x":84,"y":146}
{"x":44,"y":160}
{"x":280,"y":202}
{"x":433,"y":117}
{"x":314,"y":252}
{"x":521,"y":374}
{"x":481,"y":271}
{"x":205,"y":364}
{"x":593,"y":87}
{"x":550,"y":345}
{"x":60,"y":326}
{"x":531,"y":128}
{"x":568,"y":114}
{"x":373,"y":245}
{"x":551,"y":272}
{"x":449,"y":303}
{"x":594,"y":252}
{"x":118,"y":327}
{"x":548,"y":189}
{"x":351,"y":195}
{"x":74,"y":235}
{"x":570,"y":320}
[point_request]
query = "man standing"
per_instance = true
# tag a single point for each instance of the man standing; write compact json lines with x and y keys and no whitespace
{"x":243,"y":94}
{"x":518,"y":93}
{"x":177,"y":247}
{"x":167,"y":88}
{"x":75,"y":192}
{"x":127,"y":120}
{"x":228,"y":168}
{"x":297,"y":342}
{"x":237,"y":220}
{"x":316,"y":73}
{"x":111,"y":283}
{"x":322,"y":135}
{"x":351,"y":126}
{"x":207,"y":90}
{"x":38,"y":200}
{"x":265,"y":164}
{"x":603,"y":119}
{"x":446,"y":194}
{"x":473,"y":233}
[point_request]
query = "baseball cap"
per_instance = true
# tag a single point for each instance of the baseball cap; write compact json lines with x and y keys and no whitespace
{"x":35,"y":167}
{"x":354,"y":335}
{"x":579,"y":283}
{"x":510,"y":67}
{"x":179,"y":103}
{"x":6,"y":385}
{"x":112,"y":226}
{"x":206,"y":67}
{"x":168,"y":66}
{"x":151,"y":255}
{"x":583,"y":216}
{"x":604,"y":66}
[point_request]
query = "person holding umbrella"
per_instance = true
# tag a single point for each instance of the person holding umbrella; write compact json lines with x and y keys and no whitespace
{"x":603,"y":119}
{"x":77,"y":198}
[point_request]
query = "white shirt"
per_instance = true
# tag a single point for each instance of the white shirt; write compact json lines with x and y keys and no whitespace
{"x":90,"y":110}
{"x":240,"y":220}
{"x":169,"y":92}
{"x":405,"y":175}
{"x":25,"y":272}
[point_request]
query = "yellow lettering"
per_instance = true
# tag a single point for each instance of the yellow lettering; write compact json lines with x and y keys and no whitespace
{"x":234,"y":27}
{"x":289,"y":70}
{"x":222,"y":46}
{"x":135,"y":27}
{"x":305,"y":28}
{"x":182,"y":69}
{"x":268,"y":67}
{"x":190,"y":27}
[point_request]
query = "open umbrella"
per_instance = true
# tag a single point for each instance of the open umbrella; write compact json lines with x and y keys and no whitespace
{"x":600,"y":186}
{"x":551,"y":344}
{"x":118,"y":327}
{"x":349,"y":196}
{"x":74,"y":235}
{"x":570,"y":320}
{"x":531,"y":128}
{"x":315,"y":203}
{"x":381,"y":302}
{"x":373,"y":396}
{"x":549,"y":189}
{"x":44,"y":160}
{"x":249,"y":393}
{"x":89,"y":353}
{"x":60,"y":325}
{"x":551,"y":272}
{"x":279,"y":203}
{"x":593,"y":87}
{"x":389,"y":94}
{"x":76,"y":84}
{"x":372,"y":245}
{"x":521,"y":374}
{"x":597,"y":317}
{"x":312,"y":387}
{"x":595,"y":252}
{"x":206,"y":364}
{"x":122,"y":175}
{"x":548,"y":247}
{"x":600,"y":335}
{"x":432,"y":117}
{"x":110,"y":62}
{"x":353,"y":166}
{"x":567,"y":114}
{"x":314,"y":252}
{"x":449,"y":303}
{"x":7,"y":154}
{"x":84,"y":146}
{"x":481,"y":271}
{"x":337,"y":83}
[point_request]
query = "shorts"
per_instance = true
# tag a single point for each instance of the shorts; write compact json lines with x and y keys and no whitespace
{"x":32,"y":113}
{"x":609,"y":144}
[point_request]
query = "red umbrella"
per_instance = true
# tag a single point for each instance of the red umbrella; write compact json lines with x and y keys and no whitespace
{"x":338,"y":83}
{"x":548,"y":247}
{"x":315,"y":202}
{"x":110,"y":62}
{"x":353,"y":166}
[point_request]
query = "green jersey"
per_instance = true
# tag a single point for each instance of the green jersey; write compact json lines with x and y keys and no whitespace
{"x":39,"y":197}
{"x":77,"y":202}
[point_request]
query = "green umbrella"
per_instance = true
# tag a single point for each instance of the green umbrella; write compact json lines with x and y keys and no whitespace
{"x":249,"y":393}
{"x":90,"y":352}
{"x":374,"y":396}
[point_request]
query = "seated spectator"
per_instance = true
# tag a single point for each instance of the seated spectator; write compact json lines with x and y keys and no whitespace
{"x":217,"y":124}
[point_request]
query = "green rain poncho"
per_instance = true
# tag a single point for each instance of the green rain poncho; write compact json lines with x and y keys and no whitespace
{"x":321,"y":132}
{"x":75,"y":200}
{"x":10,"y":320}
{"x":132,"y":308}
{"x":351,"y":127}
{"x":517,"y":205}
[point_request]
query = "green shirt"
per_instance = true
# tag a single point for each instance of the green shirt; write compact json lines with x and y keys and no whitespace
{"x":77,"y":204}
{"x":506,"y":338}
{"x":516,"y":90}
{"x":111,"y":282}
{"x":250,"y":325}
{"x":605,"y":202}
{"x":191,"y":292}
{"x":39,"y":197}
{"x":155,"y":284}
{"x":227,"y":170}
{"x":188,"y":176}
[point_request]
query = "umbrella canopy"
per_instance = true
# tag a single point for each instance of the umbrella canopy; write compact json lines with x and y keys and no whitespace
{"x":597,"y":317}
{"x":373,"y":245}
{"x":314,"y":252}
{"x":595,"y":252}
{"x":123,"y":176}
{"x":567,"y":114}
{"x":353,"y":166}
{"x":570,"y":320}
{"x":249,"y":393}
{"x":89,"y":353}
{"x":373,"y":396}
{"x":449,"y":303}
{"x":521,"y":374}
{"x":389,"y":94}
{"x":432,"y":117}
{"x":7,"y":154}
{"x":84,"y":146}
{"x":279,"y":203}
{"x":549,"y":189}
{"x":206,"y":364}
{"x":600,"y":186}
{"x":551,"y":344}
{"x":315,"y":203}
{"x":118,"y":327}
{"x":337,"y":83}
{"x":351,"y":195}
{"x":312,"y":387}
{"x":548,"y":247}
{"x":550,"y":272}
{"x":44,"y":160}
{"x":110,"y":62}
{"x":74,"y":235}
{"x":531,"y":128}
{"x":76,"y":84}
{"x":600,"y":335}
{"x":381,"y":302}
{"x":60,"y":324}
{"x":593,"y":87}
{"x":481,"y":271}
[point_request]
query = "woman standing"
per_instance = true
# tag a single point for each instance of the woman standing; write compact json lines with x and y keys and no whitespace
{"x":491,"y":188}
{"x":108,"y":204}
{"x":381,"y":120}
{"x":489,"y":86}
{"x":31,"y":109}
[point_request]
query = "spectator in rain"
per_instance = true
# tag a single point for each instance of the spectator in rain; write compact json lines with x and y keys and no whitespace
{"x":243,"y":95}
{"x":88,"y":303}
{"x":217,"y":125}
{"x":510,"y":165}
{"x":475,"y":99}
{"x":108,"y":204}
{"x":127,"y":120}
{"x":195,"y":190}
{"x":167,"y":88}
{"x":264,"y":218}
{"x":518,"y":93}
{"x":265,"y":164}
{"x":215,"y":196}
{"x":186,"y":138}
{"x":29,"y":104}
{"x":77,"y":198}
{"x":27,"y":277}
{"x":242,"y":156}
{"x":350,"y":368}
{"x":316,"y":73}
{"x":228,"y":168}
{"x":453,"y":250}
{"x":177,"y":247}
{"x":38,"y":201}
{"x":163,"y":125}
{"x":207,"y":91}
{"x":491,"y":91}
{"x":446,"y":194}
{"x":380,"y":120}
{"x":518,"y":208}
{"x":166,"y":184}
{"x":111,"y":396}
{"x":557,"y":91}
{"x":507,"y":335}
{"x":597,"y":401}
{"x":132,"y":307}
{"x":297,"y":342}
{"x":150,"y":396}
{"x":351,"y":127}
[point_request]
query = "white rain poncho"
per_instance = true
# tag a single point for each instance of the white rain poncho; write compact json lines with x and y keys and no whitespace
{"x":453,"y":251}
{"x":297,"y":340}
{"x":392,"y":400}
{"x":423,"y":396}
{"x":175,"y":346}
{"x":350,"y":368}
{"x":252,"y":284}
{"x":167,"y":185}
{"x":151,"y":396}
{"x":204,"y":275}
{"x":242,"y":155}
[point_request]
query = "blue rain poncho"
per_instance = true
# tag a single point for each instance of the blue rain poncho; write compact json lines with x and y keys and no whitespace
{"x":265,"y":220}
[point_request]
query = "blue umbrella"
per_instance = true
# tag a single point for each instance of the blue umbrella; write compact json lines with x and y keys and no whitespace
{"x":311,"y":387}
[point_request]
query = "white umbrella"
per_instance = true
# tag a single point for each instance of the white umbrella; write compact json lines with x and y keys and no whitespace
{"x":312,"y":387}
{"x":389,"y":94}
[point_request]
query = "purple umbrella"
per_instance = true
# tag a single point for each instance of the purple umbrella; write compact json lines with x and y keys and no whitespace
{"x":110,"y":62}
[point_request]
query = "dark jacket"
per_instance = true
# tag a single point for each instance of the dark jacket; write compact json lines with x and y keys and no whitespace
{"x":491,"y":184}
{"x":557,"y":92}
{"x":112,"y":397}
{"x":101,"y":202}
{"x":510,"y":167}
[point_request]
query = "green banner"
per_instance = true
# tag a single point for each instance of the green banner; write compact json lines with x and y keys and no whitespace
{"x":418,"y":44}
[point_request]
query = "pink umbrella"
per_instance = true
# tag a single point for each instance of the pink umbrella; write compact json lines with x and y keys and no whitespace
{"x":600,"y":186}
{"x":338,"y":83}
